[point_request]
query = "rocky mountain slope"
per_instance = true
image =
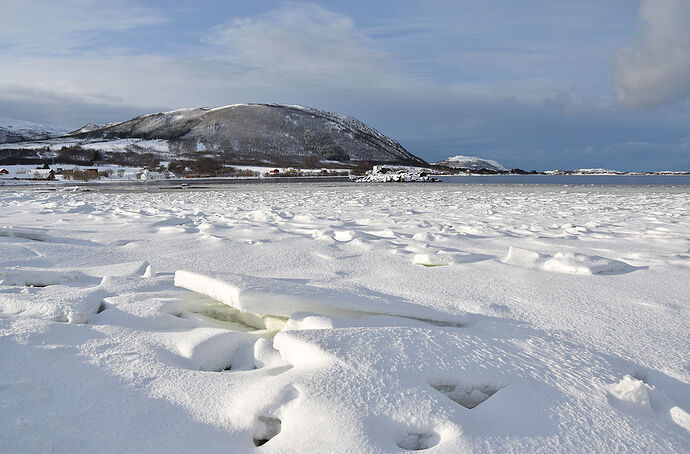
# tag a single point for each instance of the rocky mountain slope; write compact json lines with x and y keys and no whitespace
{"x":260,"y":132}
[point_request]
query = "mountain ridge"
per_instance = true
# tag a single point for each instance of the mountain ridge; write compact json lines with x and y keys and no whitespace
{"x":264,"y":134}
{"x":13,"y":130}
{"x":252,"y":128}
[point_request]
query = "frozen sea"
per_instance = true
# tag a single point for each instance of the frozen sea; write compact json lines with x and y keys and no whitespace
{"x":335,"y":317}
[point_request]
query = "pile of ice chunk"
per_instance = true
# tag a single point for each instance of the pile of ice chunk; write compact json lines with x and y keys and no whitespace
{"x":380,"y":174}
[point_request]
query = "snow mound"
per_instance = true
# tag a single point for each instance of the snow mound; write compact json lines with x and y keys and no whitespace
{"x":680,"y":417}
{"x":566,"y":262}
{"x":60,"y":303}
{"x":213,"y":349}
{"x":432,"y":259}
{"x":633,"y":392}
{"x":62,"y":295}
{"x":523,"y":257}
{"x":472,"y":163}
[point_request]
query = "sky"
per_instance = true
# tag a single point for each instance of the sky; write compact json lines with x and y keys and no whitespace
{"x":533,"y":84}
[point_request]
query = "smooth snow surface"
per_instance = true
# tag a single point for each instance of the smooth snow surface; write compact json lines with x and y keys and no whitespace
{"x":332,"y":318}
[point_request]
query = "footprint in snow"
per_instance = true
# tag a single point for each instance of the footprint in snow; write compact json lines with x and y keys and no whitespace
{"x":268,"y":424}
{"x":466,"y":395}
{"x":419,"y":441}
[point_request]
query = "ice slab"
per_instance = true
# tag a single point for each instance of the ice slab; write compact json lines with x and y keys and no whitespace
{"x":29,"y":277}
{"x":41,"y":277}
{"x":284,"y":297}
{"x":29,"y":234}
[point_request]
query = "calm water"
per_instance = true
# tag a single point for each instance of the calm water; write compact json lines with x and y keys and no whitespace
{"x":606,"y":180}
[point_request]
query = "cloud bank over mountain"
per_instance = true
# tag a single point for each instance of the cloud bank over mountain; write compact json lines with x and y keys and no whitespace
{"x":444,"y":78}
{"x":656,"y":71}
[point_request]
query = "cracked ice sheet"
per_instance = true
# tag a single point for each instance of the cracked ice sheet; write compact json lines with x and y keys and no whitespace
{"x":553,"y":344}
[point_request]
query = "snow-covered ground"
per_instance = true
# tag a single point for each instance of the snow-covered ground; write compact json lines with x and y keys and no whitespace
{"x":345,"y":318}
{"x":23,"y":174}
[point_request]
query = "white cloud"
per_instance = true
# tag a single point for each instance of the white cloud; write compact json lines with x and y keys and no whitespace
{"x":657,"y":70}
{"x":304,"y":41}
{"x":53,"y":27}
{"x":297,"y":53}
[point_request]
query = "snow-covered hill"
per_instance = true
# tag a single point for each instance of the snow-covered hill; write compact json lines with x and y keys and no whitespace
{"x":239,"y":134}
{"x":261,"y":131}
{"x":472,"y":163}
{"x":13,"y":130}
{"x":88,"y":128}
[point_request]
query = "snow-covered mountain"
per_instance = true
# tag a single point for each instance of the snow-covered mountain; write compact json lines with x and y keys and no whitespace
{"x":13,"y":130}
{"x":471,"y":163}
{"x":266,"y":132}
{"x":88,"y":128}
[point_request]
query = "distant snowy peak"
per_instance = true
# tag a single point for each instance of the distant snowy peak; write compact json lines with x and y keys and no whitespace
{"x":472,"y":163}
{"x":13,"y":130}
{"x":86,"y":128}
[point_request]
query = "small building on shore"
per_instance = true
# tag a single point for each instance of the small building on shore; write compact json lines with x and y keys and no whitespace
{"x":44,"y":174}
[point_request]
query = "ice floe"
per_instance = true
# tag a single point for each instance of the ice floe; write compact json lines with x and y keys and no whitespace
{"x":29,"y":234}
